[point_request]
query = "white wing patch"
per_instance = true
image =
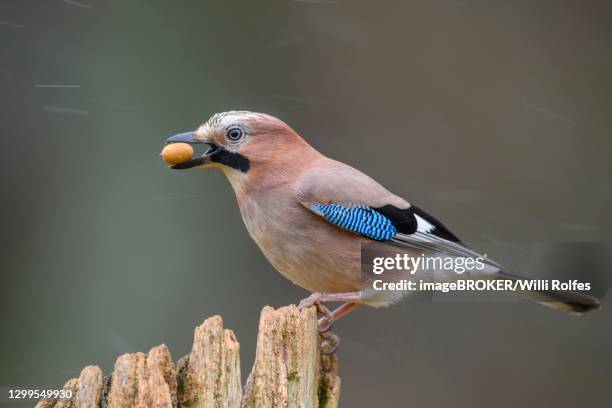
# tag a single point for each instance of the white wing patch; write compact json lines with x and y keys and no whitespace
{"x":423,"y":225}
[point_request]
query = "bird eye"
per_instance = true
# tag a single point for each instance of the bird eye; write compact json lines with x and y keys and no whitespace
{"x":234,"y":134}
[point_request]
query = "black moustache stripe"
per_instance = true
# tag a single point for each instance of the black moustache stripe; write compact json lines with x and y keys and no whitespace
{"x":231,"y":159}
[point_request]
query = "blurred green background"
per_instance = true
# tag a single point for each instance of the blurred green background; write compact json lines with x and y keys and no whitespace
{"x":495,"y":116}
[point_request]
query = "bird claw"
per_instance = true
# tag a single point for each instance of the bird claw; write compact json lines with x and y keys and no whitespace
{"x":325,"y":324}
{"x":311,"y":300}
{"x":327,"y":321}
{"x":330,"y":343}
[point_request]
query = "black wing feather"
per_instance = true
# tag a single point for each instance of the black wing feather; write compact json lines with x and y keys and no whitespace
{"x":405,"y":221}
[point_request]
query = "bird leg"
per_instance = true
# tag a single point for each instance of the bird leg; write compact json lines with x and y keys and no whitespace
{"x":330,"y":297}
{"x":351,"y":300}
{"x":327,"y":321}
{"x":331,"y":341}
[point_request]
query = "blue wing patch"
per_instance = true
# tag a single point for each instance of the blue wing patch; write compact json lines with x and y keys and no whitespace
{"x":357,"y":218}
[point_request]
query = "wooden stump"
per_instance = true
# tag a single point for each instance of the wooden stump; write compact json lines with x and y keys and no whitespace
{"x":289,"y":371}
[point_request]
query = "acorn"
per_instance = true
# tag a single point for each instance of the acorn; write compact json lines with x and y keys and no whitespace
{"x":177,"y":153}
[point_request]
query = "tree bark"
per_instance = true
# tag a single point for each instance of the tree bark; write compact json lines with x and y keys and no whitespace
{"x":289,"y":371}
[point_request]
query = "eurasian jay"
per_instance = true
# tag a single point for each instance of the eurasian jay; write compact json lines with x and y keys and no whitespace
{"x":311,"y":215}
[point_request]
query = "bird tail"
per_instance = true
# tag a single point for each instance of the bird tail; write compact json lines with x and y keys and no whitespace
{"x":566,"y":300}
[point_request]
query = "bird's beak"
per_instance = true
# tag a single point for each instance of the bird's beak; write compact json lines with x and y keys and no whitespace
{"x":187,"y":137}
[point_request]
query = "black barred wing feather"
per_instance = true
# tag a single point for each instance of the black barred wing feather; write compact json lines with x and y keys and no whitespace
{"x":405,"y":227}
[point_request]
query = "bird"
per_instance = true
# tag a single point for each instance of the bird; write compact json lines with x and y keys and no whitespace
{"x":312,"y":216}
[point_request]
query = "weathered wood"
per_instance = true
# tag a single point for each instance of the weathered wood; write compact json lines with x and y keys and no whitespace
{"x":90,"y":386}
{"x":287,"y":362}
{"x":210,"y":375}
{"x":143,"y":380}
{"x":289,"y":371}
{"x":329,"y":385}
